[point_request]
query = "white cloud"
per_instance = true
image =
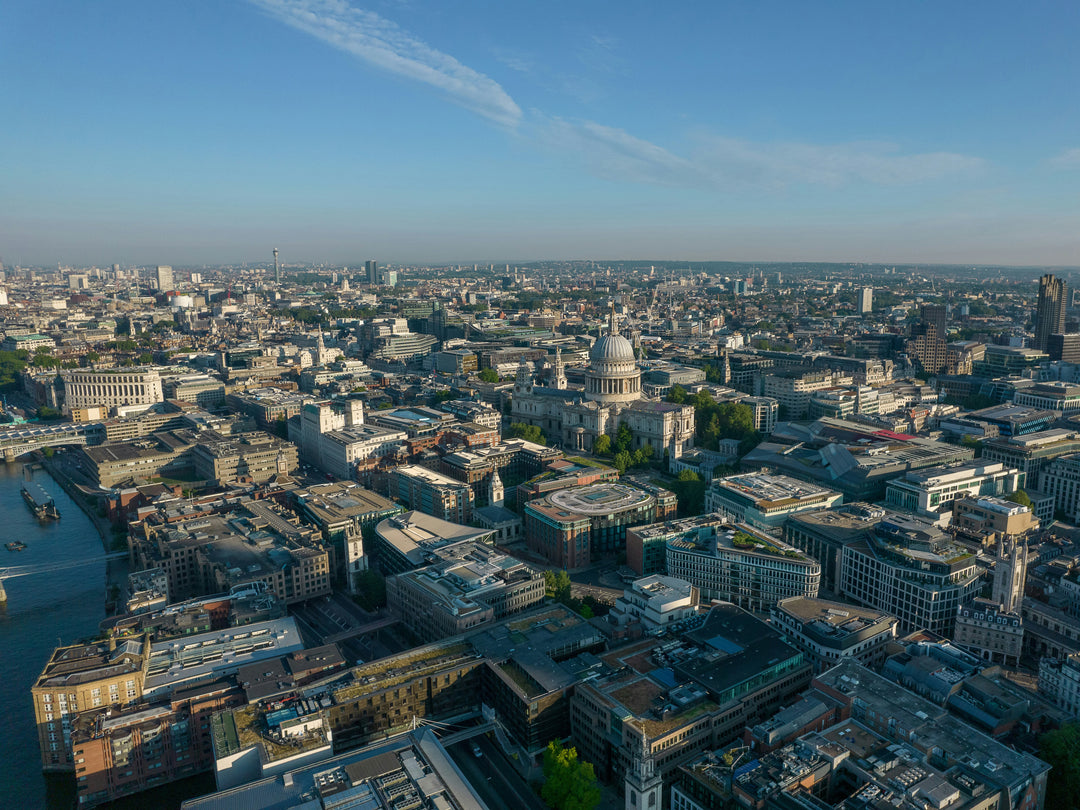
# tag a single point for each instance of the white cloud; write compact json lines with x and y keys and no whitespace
{"x":729,"y":163}
{"x":713,"y":162}
{"x":384,"y":44}
{"x":1069,"y":159}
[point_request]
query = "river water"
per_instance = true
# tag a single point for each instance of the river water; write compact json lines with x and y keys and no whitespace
{"x":42,"y":611}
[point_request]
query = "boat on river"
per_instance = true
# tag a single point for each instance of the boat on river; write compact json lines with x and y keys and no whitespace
{"x":16,"y":545}
{"x":39,"y":501}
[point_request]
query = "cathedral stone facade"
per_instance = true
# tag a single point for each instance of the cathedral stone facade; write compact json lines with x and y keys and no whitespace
{"x":612,"y":395}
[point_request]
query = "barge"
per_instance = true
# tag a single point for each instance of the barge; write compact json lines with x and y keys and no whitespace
{"x":39,"y":501}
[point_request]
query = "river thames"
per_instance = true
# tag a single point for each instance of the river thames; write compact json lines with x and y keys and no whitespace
{"x":42,"y":611}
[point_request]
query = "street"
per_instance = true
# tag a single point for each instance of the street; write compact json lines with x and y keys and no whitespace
{"x":493,"y":776}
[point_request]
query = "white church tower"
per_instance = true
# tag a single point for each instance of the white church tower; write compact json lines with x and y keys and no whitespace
{"x":644,"y":786}
{"x":495,"y":490}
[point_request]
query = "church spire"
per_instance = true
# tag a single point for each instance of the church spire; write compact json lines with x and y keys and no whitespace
{"x":612,"y":329}
{"x":644,"y":786}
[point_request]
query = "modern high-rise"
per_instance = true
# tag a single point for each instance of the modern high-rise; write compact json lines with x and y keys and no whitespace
{"x":866,"y":300}
{"x":165,"y":278}
{"x":1050,"y":312}
{"x":935,"y":314}
{"x":372,"y":268}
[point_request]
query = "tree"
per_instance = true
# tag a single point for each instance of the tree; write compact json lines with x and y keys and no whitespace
{"x":602,"y":445}
{"x":677,"y":394}
{"x":1061,"y":749}
{"x":689,"y":488}
{"x":569,"y":784}
{"x":623,"y":438}
{"x":530,"y":433}
{"x":623,"y":460}
{"x":489,"y":375}
{"x":557,"y":585}
{"x":370,"y":590}
{"x":1019,"y":497}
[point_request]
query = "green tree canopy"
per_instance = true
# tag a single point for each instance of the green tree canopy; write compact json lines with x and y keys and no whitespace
{"x":488,"y":375}
{"x":623,"y":460}
{"x":557,"y":585}
{"x":1019,"y":497}
{"x":530,"y":433}
{"x":569,"y":783}
{"x":677,"y":394}
{"x":602,"y":445}
{"x":1061,"y":749}
{"x":624,"y":438}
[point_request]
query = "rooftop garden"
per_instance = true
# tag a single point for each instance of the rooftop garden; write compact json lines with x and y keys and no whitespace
{"x":751,"y":543}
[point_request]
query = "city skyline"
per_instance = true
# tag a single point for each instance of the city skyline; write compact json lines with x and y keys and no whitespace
{"x":417,"y":133}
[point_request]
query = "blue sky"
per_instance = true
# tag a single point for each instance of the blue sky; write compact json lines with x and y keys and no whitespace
{"x":212,"y":130}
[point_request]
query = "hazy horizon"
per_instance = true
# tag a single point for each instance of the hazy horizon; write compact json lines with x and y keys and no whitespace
{"x":411,"y":131}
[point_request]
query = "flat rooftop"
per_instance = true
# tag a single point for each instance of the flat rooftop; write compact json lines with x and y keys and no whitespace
{"x":409,"y":770}
{"x":600,"y":499}
{"x":414,"y":533}
{"x":191,"y":658}
{"x":767,"y":489}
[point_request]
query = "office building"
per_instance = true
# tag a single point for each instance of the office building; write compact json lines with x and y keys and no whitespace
{"x":930,"y":492}
{"x":1059,"y":398}
{"x":414,"y":539}
{"x":764,"y":501}
{"x":655,"y":603}
{"x":1029,"y":454}
{"x":1049,"y":311}
{"x":646,"y":546}
{"x":792,"y":387}
{"x":985,"y":519}
{"x":164,"y":277}
{"x":1059,"y":682}
{"x":345,"y":513}
{"x":830,"y":631}
{"x":866,"y":300}
{"x":988,"y":631}
{"x":83,"y":677}
{"x":728,"y":671}
{"x":371,"y":268}
{"x":433,"y":493}
{"x":882,"y":720}
{"x":739,"y":565}
{"x":898,"y":564}
{"x":406,"y":771}
{"x":911,"y":569}
{"x":112,"y":388}
{"x":1061,"y":479}
{"x":571,"y":527}
{"x":250,"y":545}
{"x":934,"y":315}
{"x":471,"y":584}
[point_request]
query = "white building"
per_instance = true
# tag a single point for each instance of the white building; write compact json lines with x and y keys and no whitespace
{"x":1059,"y":681}
{"x":930,"y":492}
{"x":164,"y":276}
{"x":1061,"y":479}
{"x":866,"y":300}
{"x":738,"y":565}
{"x":656,"y":602}
{"x":111,"y":389}
{"x":763,"y":500}
{"x":340,"y":450}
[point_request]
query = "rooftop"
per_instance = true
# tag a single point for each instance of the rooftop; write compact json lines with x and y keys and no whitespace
{"x":600,"y":499}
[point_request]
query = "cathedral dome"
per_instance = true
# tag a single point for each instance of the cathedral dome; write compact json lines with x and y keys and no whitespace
{"x":612,"y":349}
